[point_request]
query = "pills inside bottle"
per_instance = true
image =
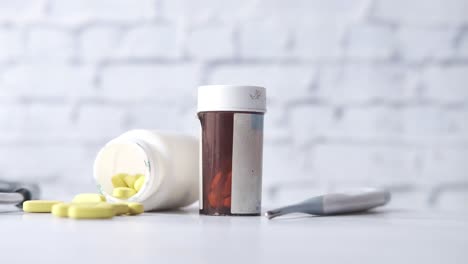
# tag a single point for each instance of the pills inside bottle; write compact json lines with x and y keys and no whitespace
{"x":155,"y":168}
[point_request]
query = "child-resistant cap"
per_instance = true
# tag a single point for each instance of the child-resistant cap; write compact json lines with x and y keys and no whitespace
{"x":231,"y":98}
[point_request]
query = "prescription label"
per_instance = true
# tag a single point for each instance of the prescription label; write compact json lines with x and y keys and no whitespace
{"x":246,"y":192}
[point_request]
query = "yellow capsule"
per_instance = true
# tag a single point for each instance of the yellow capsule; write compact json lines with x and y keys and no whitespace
{"x":39,"y":206}
{"x":120,"y":208}
{"x":118,"y":180}
{"x":91,"y":211}
{"x":130,"y":180}
{"x":139,"y":183}
{"x":135,"y":208}
{"x":60,"y":210}
{"x":89,"y":198}
{"x":123,"y":192}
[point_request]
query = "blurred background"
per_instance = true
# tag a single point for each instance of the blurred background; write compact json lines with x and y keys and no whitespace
{"x":361,"y":92}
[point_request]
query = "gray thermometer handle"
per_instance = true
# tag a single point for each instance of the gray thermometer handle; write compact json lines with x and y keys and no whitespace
{"x":337,"y":203}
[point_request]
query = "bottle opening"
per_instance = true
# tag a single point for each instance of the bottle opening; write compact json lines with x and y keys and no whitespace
{"x":120,"y":165}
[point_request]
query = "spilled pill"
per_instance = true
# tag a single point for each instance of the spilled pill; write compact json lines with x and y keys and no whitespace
{"x":89,"y":198}
{"x":139,"y":183}
{"x":39,"y":206}
{"x":91,"y":211}
{"x":60,"y":210}
{"x":123,"y":192}
{"x":120,"y":208}
{"x":118,"y":180}
{"x":135,"y":208}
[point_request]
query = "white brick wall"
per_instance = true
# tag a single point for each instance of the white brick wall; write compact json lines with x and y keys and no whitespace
{"x":371,"y":42}
{"x":354,"y":83}
{"x":175,"y":83}
{"x":99,"y":42}
{"x":422,"y":12}
{"x":10,"y":44}
{"x":35,"y":122}
{"x":150,"y":41}
{"x":297,"y":78}
{"x":49,"y":44}
{"x":371,"y":164}
{"x":438,"y":43}
{"x":263,"y":40}
{"x":220,"y":46}
{"x":65,"y":11}
{"x":360,"y":92}
{"x":50,"y":80}
{"x":446,"y":84}
{"x":21,"y":11}
{"x":318,"y":42}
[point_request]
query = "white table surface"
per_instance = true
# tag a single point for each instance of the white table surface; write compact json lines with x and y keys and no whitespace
{"x":384,"y":236}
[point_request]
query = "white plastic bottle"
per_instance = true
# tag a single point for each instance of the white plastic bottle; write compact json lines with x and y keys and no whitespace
{"x":168,"y":161}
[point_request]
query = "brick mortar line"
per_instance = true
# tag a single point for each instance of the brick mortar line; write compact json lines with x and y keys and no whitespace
{"x":399,"y":143}
{"x":325,"y":141}
{"x":214,"y":63}
{"x":313,"y":101}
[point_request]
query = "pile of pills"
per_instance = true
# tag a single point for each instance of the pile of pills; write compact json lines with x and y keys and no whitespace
{"x":126,"y":185}
{"x":83,"y":206}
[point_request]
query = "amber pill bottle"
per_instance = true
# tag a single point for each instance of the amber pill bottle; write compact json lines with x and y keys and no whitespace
{"x":231,"y":149}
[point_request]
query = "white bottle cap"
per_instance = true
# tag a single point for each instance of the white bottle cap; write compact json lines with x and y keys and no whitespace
{"x":231,"y":98}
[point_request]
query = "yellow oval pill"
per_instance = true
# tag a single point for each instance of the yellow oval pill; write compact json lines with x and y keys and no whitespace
{"x":130,"y":180}
{"x":120,"y":208}
{"x":118,"y":180}
{"x":123,"y":192}
{"x":139,"y":183}
{"x":39,"y":206}
{"x":60,"y":210}
{"x":89,"y":198}
{"x":91,"y":211}
{"x":135,"y":208}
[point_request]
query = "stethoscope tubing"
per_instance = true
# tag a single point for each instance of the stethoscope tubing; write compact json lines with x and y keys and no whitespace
{"x":11,"y":198}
